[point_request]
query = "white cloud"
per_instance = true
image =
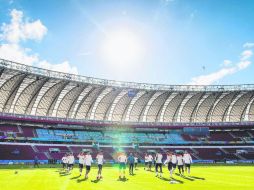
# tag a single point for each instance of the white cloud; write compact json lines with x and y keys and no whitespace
{"x":228,"y":69}
{"x":226,"y":63}
{"x":14,"y":52}
{"x":20,"y":29}
{"x":246,"y":54}
{"x":64,"y":67}
{"x":248,"y":45}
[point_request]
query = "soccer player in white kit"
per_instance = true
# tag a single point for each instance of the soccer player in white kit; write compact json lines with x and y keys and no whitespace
{"x":158,"y":164}
{"x":135,"y":161}
{"x":100,"y":161}
{"x":180,"y":163}
{"x":187,"y":161}
{"x":122,"y":159}
{"x":64,"y":161}
{"x":146,"y":161}
{"x":150,"y":162}
{"x":88,"y":162}
{"x":81,"y":160}
{"x":71,"y":161}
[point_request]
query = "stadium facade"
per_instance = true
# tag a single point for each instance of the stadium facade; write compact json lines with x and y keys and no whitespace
{"x":43,"y":110}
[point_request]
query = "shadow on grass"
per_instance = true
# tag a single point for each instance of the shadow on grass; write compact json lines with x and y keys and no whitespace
{"x":199,"y":178}
{"x":76,"y":177}
{"x":64,"y":174}
{"x":185,"y":177}
{"x":80,"y":180}
{"x":95,"y":181}
{"x":172,"y":180}
{"x":122,"y":179}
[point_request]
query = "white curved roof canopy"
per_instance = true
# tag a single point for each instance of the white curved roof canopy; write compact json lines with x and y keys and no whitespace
{"x":33,"y":91}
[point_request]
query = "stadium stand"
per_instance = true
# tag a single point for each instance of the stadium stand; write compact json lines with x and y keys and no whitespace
{"x":46,"y":114}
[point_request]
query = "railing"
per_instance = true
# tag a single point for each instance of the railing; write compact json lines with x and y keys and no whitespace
{"x":123,"y":123}
{"x":120,"y":84}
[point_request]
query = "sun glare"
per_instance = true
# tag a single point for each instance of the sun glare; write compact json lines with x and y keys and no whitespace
{"x":122,"y":49}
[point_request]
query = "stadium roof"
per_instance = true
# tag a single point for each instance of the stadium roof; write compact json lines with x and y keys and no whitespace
{"x":34,"y":91}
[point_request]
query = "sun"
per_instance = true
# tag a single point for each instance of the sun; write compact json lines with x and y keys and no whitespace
{"x":123,"y":48}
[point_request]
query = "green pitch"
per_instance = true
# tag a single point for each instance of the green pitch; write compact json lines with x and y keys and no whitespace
{"x":202,"y":177}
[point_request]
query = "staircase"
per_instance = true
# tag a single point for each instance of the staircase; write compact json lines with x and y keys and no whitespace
{"x":250,"y":134}
{"x":47,"y":155}
{"x":34,"y":148}
{"x":239,"y":156}
{"x":223,"y":150}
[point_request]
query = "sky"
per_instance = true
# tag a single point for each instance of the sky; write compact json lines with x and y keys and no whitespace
{"x":182,"y":42}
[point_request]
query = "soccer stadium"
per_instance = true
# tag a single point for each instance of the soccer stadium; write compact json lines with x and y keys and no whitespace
{"x":65,"y":130}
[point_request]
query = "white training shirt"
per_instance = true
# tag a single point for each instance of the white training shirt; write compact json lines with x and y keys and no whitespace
{"x":88,"y":160}
{"x":81,"y":159}
{"x":64,"y":159}
{"x":179,"y":160}
{"x":71,"y":159}
{"x":150,"y":158}
{"x":158,"y":158}
{"x":99,"y":158}
{"x":135,"y":159}
{"x":122,"y":159}
{"x":146,"y":158}
{"x":187,"y":158}
{"x":169,"y":158}
{"x":173,"y":159}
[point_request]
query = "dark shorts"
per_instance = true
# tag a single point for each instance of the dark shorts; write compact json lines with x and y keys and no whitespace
{"x":187,"y":165}
{"x":146,"y":163}
{"x":81,"y":166}
{"x":122,"y":166}
{"x":170,"y":166}
{"x":88,"y":168}
{"x":150,"y":163}
{"x":100,"y":166}
{"x":70,"y":165}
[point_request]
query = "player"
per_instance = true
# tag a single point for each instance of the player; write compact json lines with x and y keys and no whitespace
{"x":150,"y":162}
{"x":100,"y":161}
{"x":146,"y":161}
{"x":64,"y":161}
{"x":88,"y":162}
{"x":174,"y":162}
{"x":169,"y":162}
{"x":81,"y":160}
{"x":180,"y":163}
{"x":158,"y":164}
{"x":122,"y":159}
{"x":71,"y":161}
{"x":136,"y":161}
{"x":187,"y":161}
{"x":131,"y":161}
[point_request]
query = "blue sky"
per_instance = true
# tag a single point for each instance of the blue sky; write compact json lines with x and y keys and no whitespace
{"x":163,"y":41}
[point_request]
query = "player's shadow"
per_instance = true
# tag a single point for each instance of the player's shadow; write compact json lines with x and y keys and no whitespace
{"x":76,"y":177}
{"x":172,"y":179}
{"x":199,"y":178}
{"x":64,"y":174}
{"x":80,"y":180}
{"x":122,"y":179}
{"x":185,"y":177}
{"x":95,"y":181}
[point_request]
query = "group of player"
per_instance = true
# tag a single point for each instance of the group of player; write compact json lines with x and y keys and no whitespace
{"x":85,"y":159}
{"x":182,"y":160}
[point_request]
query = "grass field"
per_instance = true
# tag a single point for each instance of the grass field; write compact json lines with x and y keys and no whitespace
{"x":202,"y":177}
